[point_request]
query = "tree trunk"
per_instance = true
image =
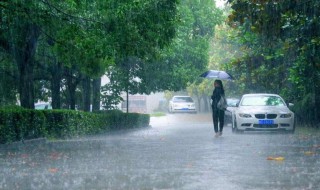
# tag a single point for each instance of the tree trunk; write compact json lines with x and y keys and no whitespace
{"x":206,"y":104}
{"x":86,"y":93}
{"x":24,"y":55}
{"x":316,"y":91}
{"x":72,"y":96}
{"x":55,"y":85}
{"x":72,"y":82}
{"x":199,"y":103}
{"x":96,"y":85}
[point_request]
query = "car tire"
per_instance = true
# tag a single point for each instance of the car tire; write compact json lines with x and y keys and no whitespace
{"x":170,"y":110}
{"x":233,"y":125}
{"x":235,"y":128}
{"x":294,"y":128}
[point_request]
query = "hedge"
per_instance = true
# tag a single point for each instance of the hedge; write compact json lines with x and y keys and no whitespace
{"x":18,"y":124}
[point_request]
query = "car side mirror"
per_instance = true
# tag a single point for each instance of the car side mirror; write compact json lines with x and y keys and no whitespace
{"x":291,"y":104}
{"x":237,"y":105}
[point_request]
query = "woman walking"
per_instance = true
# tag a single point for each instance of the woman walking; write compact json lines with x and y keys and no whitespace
{"x":217,"y":114}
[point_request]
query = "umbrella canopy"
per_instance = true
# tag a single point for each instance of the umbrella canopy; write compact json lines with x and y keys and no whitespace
{"x":217,"y":75}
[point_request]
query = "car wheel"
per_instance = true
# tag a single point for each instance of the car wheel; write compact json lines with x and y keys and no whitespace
{"x":294,"y":128}
{"x":234,"y":127}
{"x":233,"y":124}
{"x":171,"y":110}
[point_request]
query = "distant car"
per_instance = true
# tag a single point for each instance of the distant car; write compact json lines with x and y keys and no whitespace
{"x":262,"y":112}
{"x":43,"y":106}
{"x":232,"y":104}
{"x":182,"y":104}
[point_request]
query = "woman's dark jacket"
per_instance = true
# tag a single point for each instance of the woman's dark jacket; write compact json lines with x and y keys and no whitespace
{"x":216,"y":95}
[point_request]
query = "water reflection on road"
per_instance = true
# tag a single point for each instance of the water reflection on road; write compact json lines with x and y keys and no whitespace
{"x":178,"y":151}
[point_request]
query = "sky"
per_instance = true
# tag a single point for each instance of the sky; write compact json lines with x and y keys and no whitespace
{"x":220,"y":3}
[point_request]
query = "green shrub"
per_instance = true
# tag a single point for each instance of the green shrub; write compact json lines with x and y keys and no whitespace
{"x":304,"y":110}
{"x":119,"y":120}
{"x":17,"y":123}
{"x":67,"y":123}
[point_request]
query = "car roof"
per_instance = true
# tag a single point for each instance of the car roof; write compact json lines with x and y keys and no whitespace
{"x":41,"y":104}
{"x":260,"y":94}
{"x":181,"y":96}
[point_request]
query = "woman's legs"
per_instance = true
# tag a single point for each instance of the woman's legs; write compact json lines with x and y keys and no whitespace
{"x":221,"y":120}
{"x":215,"y":118}
{"x":218,"y":120}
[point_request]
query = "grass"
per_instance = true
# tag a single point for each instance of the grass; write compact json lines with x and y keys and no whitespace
{"x":158,"y":114}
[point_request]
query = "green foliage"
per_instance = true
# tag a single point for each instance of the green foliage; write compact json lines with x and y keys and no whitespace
{"x":187,"y":56}
{"x":305,"y":115}
{"x":66,"y":123}
{"x":8,"y":81}
{"x":119,"y":120}
{"x":49,"y":38}
{"x":281,"y":40}
{"x":18,"y":124}
{"x":158,"y":114}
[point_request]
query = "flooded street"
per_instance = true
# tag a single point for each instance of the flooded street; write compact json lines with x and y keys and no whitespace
{"x":178,"y":151}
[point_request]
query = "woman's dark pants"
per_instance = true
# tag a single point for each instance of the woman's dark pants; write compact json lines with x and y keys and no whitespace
{"x":218,"y":118}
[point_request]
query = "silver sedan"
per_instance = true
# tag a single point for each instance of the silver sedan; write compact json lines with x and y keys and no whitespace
{"x":262,"y":112}
{"x":182,"y":104}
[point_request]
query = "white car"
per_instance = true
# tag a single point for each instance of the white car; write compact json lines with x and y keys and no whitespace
{"x":182,"y":104}
{"x":262,"y":112}
{"x":43,"y":106}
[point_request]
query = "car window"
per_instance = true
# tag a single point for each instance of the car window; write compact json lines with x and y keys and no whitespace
{"x":262,"y":101}
{"x":182,"y":99}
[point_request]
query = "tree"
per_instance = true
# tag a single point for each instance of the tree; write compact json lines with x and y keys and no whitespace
{"x":288,"y":32}
{"x":187,"y":56}
{"x":8,"y":80}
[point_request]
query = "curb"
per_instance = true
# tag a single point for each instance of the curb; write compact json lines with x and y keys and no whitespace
{"x":24,"y":144}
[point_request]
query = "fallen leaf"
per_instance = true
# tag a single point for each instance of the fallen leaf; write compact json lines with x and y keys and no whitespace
{"x":309,"y":153}
{"x":24,"y":155}
{"x":53,"y":170}
{"x":55,"y":156}
{"x":280,"y":158}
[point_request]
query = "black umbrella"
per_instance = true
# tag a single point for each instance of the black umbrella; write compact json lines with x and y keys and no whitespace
{"x":217,"y":75}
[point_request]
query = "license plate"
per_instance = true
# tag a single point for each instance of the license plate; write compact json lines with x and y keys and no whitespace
{"x":266,"y":122}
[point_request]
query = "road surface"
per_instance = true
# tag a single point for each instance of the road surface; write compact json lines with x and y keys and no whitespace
{"x":178,"y":151}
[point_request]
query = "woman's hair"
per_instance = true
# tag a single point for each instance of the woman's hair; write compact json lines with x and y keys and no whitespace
{"x":219,"y":82}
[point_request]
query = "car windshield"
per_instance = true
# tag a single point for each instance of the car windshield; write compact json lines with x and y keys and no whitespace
{"x":232,"y":102}
{"x":182,"y":99}
{"x":42,"y":106}
{"x":262,"y":101}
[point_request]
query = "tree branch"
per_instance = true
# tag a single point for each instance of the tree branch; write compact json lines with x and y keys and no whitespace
{"x":50,"y":5}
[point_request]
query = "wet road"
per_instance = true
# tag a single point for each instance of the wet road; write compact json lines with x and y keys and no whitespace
{"x":178,"y":152}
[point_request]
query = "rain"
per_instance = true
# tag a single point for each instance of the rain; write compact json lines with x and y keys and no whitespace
{"x":147,"y":94}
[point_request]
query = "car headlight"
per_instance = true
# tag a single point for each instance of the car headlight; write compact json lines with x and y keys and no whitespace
{"x":287,"y":115}
{"x":245,"y":115}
